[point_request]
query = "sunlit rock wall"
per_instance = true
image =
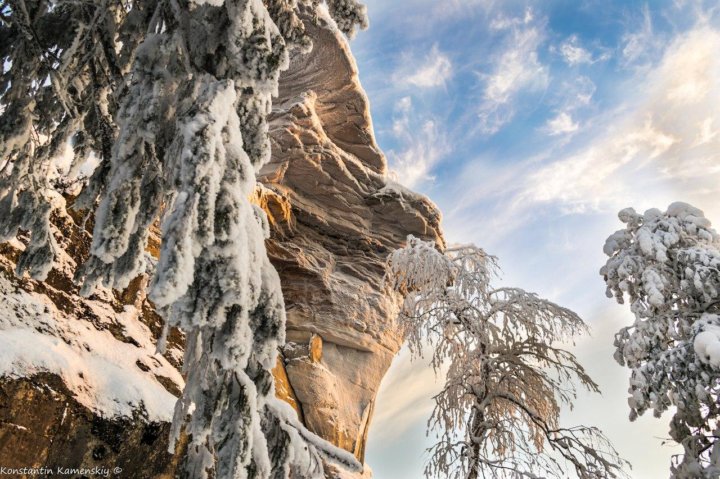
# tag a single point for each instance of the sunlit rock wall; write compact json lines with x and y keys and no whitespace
{"x":335,"y":219}
{"x":80,"y":382}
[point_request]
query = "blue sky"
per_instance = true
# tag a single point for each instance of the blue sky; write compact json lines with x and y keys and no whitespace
{"x":531,"y":124}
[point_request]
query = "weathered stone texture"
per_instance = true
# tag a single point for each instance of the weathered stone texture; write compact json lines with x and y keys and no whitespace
{"x":335,"y":222}
{"x":334,"y":219}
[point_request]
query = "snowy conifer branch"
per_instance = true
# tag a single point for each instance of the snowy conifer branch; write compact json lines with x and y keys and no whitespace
{"x":349,"y":15}
{"x":172,"y":97}
{"x":668,"y":265}
{"x":508,"y":375}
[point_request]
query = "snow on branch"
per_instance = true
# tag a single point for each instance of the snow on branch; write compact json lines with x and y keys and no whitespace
{"x":667,"y":264}
{"x":173,"y":99}
{"x":508,"y":372}
{"x":349,"y":15}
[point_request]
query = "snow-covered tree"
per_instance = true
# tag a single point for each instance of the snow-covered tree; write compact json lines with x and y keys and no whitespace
{"x":171,"y":97}
{"x":667,"y":265}
{"x":508,"y":374}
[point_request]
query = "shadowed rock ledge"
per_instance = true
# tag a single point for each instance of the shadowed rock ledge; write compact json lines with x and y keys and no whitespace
{"x":334,"y":219}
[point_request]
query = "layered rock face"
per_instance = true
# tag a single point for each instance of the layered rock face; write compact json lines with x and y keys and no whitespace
{"x":94,"y":393}
{"x":335,"y":219}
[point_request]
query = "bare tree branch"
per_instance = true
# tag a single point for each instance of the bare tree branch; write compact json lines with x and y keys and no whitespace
{"x":508,"y":375}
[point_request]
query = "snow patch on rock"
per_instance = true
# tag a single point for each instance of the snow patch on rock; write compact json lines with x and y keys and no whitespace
{"x":103,"y":372}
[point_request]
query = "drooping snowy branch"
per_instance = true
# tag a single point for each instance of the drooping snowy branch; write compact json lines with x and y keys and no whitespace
{"x":349,"y":15}
{"x":172,"y":97}
{"x":55,"y":85}
{"x":667,"y":264}
{"x":508,"y":375}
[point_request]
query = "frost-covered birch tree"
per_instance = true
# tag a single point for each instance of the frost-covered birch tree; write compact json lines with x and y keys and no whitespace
{"x":508,"y":374}
{"x":667,"y":264}
{"x":171,"y":97}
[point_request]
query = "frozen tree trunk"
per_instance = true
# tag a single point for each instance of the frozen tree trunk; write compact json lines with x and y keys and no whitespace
{"x":476,"y":420}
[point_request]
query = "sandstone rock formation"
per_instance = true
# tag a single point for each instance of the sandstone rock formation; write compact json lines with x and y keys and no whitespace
{"x":334,"y":219}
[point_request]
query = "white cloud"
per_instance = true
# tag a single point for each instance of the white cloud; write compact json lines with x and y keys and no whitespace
{"x":454,"y":9}
{"x":706,"y":131}
{"x":561,"y":124}
{"x":663,"y":141}
{"x":568,"y":99}
{"x":577,"y":92}
{"x":691,"y":73}
{"x":516,"y":70}
{"x":597,"y":175}
{"x":422,"y":145}
{"x":640,"y":43}
{"x":434,"y":71}
{"x":575,"y":54}
{"x":660,"y":144}
{"x":503,"y":22}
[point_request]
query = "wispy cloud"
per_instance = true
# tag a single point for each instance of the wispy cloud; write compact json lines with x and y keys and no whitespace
{"x":405,"y":397}
{"x":595,"y":176}
{"x":561,"y":124}
{"x":569,"y":99}
{"x":639,"y":43}
{"x":653,"y":143}
{"x":432,"y":71}
{"x":515,"y":70}
{"x":576,"y":92}
{"x":707,"y":131}
{"x":574,"y":54}
{"x":422,"y":145}
{"x":661,"y":143}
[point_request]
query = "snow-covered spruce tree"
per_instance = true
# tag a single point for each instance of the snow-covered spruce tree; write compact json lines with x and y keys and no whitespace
{"x":508,"y":375}
{"x":667,"y":264}
{"x":171,"y":96}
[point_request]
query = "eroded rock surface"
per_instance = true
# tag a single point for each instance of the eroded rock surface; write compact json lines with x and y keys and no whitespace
{"x":42,"y":425}
{"x":334,"y":220}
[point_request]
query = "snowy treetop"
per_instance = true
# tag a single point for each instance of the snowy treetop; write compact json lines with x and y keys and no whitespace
{"x":508,"y":374}
{"x":667,"y":264}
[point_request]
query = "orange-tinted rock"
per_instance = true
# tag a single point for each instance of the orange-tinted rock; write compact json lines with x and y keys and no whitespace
{"x":42,"y":425}
{"x":316,"y":346}
{"x":330,"y":249}
{"x":283,"y":388}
